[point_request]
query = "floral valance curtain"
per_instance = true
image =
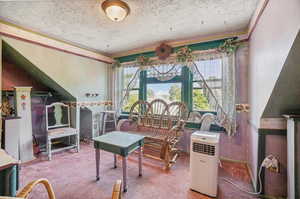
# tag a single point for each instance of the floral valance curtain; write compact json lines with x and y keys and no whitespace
{"x":166,"y":70}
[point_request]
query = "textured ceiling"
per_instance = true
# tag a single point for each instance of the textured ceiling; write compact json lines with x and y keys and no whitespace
{"x":150,"y":21}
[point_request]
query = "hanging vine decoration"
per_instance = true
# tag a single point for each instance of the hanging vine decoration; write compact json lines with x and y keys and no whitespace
{"x":184,"y":54}
{"x":116,"y":64}
{"x":6,"y":108}
{"x":143,"y":61}
{"x":228,"y":47}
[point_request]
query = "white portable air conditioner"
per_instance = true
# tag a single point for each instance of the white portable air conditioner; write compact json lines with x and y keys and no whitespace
{"x":204,"y":160}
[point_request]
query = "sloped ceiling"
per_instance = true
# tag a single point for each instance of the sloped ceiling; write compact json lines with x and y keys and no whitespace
{"x":285,"y":97}
{"x":12,"y":54}
{"x":150,"y":22}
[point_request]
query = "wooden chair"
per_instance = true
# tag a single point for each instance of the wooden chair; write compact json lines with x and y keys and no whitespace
{"x":24,"y":193}
{"x":58,"y":126}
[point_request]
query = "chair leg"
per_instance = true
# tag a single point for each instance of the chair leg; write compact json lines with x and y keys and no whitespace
{"x":49,"y":149}
{"x":167,"y":159}
{"x":115,"y":120}
{"x":78,"y":142}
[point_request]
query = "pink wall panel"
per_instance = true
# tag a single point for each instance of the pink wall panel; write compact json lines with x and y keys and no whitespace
{"x":13,"y":75}
{"x":236,"y":147}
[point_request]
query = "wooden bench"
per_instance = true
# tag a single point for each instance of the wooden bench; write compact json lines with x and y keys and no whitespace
{"x":58,"y":126}
{"x":161,"y":124}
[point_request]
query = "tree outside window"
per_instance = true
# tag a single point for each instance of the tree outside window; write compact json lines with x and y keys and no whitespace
{"x":199,"y":100}
{"x":169,"y":92}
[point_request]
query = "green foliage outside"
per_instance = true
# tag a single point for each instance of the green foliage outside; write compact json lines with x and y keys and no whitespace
{"x":133,"y":97}
{"x":175,"y":93}
{"x":150,"y":94}
{"x":199,"y":100}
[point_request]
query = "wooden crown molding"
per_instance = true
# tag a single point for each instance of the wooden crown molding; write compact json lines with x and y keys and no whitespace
{"x":240,"y":34}
{"x":16,"y":32}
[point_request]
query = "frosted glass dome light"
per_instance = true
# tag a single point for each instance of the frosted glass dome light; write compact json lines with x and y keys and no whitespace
{"x":116,"y":10}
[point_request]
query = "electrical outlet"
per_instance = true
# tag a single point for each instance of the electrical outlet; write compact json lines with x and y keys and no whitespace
{"x":274,"y":169}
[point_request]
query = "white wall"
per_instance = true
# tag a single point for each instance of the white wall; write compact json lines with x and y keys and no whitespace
{"x":269,"y":46}
{"x":77,"y":75}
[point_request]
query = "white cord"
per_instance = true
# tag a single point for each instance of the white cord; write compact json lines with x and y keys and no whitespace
{"x":243,"y":189}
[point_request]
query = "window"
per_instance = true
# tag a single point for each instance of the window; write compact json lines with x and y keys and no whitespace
{"x":180,"y":85}
{"x":168,"y":92}
{"x":212,"y":73}
{"x":128,"y":76}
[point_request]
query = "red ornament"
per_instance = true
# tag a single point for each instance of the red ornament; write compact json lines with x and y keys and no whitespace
{"x":163,"y":51}
{"x":23,"y":97}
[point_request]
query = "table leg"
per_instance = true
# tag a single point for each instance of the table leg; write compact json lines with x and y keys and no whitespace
{"x":140,"y":161}
{"x":104,"y":123}
{"x":97,"y":152}
{"x":115,"y":161}
{"x":49,"y":149}
{"x":124,"y":165}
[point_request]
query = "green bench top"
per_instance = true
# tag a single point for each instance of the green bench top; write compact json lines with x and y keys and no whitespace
{"x":118,"y":142}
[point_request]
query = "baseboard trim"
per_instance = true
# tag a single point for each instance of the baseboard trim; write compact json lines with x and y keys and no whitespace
{"x":233,"y":160}
{"x":251,"y":176}
{"x":253,"y":183}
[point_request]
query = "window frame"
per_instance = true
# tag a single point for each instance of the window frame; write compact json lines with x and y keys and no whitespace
{"x":186,"y":80}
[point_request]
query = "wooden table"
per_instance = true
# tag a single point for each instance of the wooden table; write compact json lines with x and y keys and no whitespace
{"x":119,"y":143}
{"x":8,"y":174}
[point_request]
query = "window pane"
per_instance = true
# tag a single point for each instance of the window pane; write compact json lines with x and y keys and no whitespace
{"x":128,"y":76}
{"x":133,"y":97}
{"x":168,"y":92}
{"x":212,"y":73}
{"x":210,"y":69}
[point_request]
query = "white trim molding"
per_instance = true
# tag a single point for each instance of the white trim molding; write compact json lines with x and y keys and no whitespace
{"x":20,"y":33}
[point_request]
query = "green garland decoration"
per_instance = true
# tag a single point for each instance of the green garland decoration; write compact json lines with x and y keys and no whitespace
{"x":143,"y":61}
{"x":229,"y":46}
{"x":184,"y":54}
{"x":116,"y":64}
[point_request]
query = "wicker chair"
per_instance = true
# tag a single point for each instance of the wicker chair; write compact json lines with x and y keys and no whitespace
{"x":24,"y":193}
{"x":117,"y":194}
{"x":161,"y":124}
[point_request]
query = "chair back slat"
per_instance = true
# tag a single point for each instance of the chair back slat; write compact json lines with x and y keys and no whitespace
{"x":158,"y":114}
{"x":57,"y":115}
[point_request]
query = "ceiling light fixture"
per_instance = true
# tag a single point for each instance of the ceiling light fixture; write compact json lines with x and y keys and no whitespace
{"x":116,"y":10}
